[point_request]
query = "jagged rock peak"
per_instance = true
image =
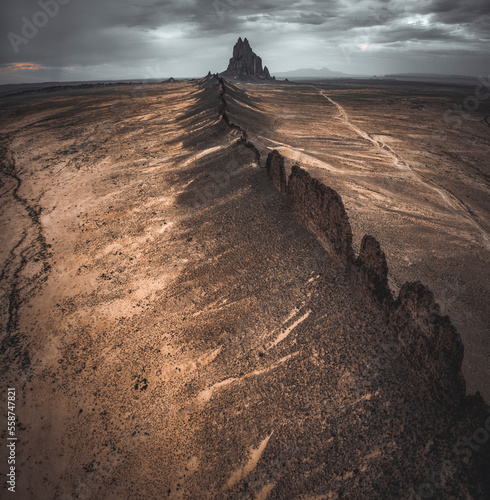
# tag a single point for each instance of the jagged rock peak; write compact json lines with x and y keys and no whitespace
{"x":245,"y":64}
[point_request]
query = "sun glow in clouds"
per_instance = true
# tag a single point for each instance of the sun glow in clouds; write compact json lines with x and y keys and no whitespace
{"x":174,"y":32}
{"x":369,"y":47}
{"x":14,"y":67}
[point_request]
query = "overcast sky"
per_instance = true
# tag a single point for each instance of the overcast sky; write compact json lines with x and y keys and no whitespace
{"x":131,"y":39}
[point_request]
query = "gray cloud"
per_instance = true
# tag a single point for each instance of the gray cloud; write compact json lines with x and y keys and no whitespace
{"x":103,"y":39}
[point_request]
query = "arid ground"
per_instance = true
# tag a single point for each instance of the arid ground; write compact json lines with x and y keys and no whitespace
{"x":173,"y":331}
{"x":412,"y":166}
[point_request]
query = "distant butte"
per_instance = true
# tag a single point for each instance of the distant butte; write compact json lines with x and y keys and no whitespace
{"x":246,"y":64}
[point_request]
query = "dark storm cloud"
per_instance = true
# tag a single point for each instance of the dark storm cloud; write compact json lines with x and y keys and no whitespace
{"x":190,"y":36}
{"x":413,"y":33}
{"x":312,"y":18}
{"x":457,"y":11}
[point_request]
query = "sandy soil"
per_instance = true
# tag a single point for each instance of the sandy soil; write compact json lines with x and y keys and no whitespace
{"x":171,"y":329}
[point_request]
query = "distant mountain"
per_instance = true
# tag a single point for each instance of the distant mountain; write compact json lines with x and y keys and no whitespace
{"x":427,"y":75}
{"x":311,"y":73}
{"x":436,"y":78}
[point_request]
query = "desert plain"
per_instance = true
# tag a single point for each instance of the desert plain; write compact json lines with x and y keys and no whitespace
{"x":173,"y":331}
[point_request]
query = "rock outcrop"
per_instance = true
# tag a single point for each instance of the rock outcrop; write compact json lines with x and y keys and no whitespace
{"x":322,"y":211}
{"x":223,"y":114}
{"x":245,"y":64}
{"x":428,"y":342}
{"x":371,"y":271}
{"x":276,"y":171}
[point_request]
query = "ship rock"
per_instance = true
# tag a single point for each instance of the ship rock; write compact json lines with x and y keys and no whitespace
{"x":245,"y":64}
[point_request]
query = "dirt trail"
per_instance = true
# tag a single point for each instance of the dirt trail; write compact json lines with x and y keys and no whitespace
{"x":455,"y":205}
{"x":299,"y":154}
